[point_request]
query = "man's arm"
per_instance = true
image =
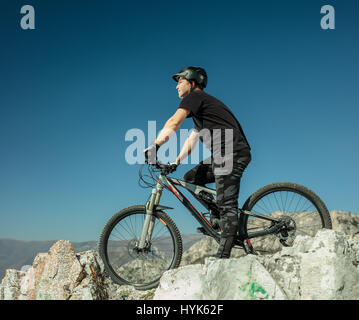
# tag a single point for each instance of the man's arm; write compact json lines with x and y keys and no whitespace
{"x":172,"y":125}
{"x":188,"y":146}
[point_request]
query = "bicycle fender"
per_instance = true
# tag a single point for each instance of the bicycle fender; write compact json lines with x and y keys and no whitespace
{"x":162,"y":208}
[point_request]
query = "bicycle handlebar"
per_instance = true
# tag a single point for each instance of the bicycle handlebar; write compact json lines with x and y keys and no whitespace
{"x":165,"y":168}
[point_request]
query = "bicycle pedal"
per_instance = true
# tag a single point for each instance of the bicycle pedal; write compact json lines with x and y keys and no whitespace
{"x":248,"y":248}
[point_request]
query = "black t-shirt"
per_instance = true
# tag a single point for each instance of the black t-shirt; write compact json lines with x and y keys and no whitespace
{"x":210,"y":113}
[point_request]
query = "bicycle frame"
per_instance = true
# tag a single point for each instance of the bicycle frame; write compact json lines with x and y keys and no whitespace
{"x":170,"y":183}
{"x":194,"y":189}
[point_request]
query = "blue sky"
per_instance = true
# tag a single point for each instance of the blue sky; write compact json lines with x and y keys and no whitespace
{"x":92,"y":70}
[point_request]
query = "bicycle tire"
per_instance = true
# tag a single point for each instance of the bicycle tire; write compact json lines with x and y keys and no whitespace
{"x":271,"y":189}
{"x":175,"y":237}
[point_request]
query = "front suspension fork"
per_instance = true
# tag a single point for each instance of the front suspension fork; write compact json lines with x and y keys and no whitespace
{"x":149,"y":223}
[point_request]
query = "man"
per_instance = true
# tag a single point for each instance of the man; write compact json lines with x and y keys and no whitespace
{"x":216,"y":126}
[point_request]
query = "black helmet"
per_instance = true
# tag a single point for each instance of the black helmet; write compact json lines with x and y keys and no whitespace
{"x":197,"y":74}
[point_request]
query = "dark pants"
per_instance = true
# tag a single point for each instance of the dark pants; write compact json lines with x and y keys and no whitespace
{"x":227,"y":187}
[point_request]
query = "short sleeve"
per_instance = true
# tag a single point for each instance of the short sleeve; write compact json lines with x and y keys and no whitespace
{"x":191,"y":102}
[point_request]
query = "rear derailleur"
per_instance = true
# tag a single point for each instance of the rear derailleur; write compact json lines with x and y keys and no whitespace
{"x":287,"y":232}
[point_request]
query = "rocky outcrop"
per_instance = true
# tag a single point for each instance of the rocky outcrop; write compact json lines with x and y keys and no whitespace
{"x":346,"y":222}
{"x":320,"y":267}
{"x":61,"y":274}
{"x":323,"y":267}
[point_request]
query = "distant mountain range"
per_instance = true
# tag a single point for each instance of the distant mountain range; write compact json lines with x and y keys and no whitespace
{"x":17,"y":253}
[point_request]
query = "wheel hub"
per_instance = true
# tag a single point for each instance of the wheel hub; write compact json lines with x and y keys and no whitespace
{"x":134,"y":251}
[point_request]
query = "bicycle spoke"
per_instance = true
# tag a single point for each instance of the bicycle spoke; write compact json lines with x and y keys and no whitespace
{"x":276,"y":200}
{"x":264,"y":210}
{"x":126,"y":230}
{"x":291,"y":200}
{"x":286,"y":198}
{"x":129,"y":228}
{"x":159,"y":230}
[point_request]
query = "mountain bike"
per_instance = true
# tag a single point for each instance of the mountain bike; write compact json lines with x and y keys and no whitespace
{"x":139,"y":243}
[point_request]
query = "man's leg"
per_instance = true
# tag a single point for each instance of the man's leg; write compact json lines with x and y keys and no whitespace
{"x":200,"y":174}
{"x":227,"y":200}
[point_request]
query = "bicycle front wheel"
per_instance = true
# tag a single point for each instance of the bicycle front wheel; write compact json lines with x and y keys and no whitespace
{"x":298,"y":205}
{"x":127,"y":265}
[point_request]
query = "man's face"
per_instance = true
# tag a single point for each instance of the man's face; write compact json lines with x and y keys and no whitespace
{"x":183,"y":87}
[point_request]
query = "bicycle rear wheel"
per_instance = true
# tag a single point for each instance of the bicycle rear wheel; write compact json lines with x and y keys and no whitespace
{"x":297,"y":204}
{"x":127,"y":265}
